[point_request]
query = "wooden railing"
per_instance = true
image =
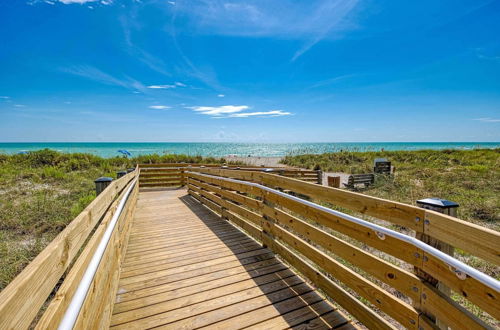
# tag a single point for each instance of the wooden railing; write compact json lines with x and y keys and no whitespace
{"x":350,"y":261}
{"x":378,"y":275}
{"x":172,"y":174}
{"x":53,"y":277}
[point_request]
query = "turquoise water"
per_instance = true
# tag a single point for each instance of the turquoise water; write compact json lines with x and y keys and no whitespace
{"x":240,"y":149}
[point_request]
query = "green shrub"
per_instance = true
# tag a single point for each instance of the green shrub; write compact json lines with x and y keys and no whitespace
{"x":52,"y":172}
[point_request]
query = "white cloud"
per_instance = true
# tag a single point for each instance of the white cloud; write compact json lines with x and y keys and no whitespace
{"x":161,"y":86}
{"x":168,"y":86}
{"x":219,"y":111}
{"x":93,"y":73}
{"x":307,"y":21}
{"x":236,"y":111}
{"x":272,"y":113}
{"x":221,"y":95}
{"x":336,"y":12}
{"x":5,"y":97}
{"x":19,"y":105}
{"x":68,"y":2}
{"x":488,"y":120}
{"x":171,"y":2}
{"x":159,"y":107}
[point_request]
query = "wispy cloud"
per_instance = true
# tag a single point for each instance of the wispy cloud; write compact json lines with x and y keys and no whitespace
{"x":171,"y":86}
{"x":161,"y":86}
{"x":67,"y":2}
{"x":93,"y":73}
{"x":130,"y":25}
{"x":481,"y":53}
{"x":331,"y":14}
{"x":488,"y":120}
{"x":5,"y":97}
{"x":159,"y":107}
{"x":221,"y":95}
{"x":236,"y":111}
{"x":71,"y":2}
{"x":219,"y":111}
{"x":19,"y":105}
{"x":272,"y":113}
{"x":330,"y":81}
{"x":309,"y":21}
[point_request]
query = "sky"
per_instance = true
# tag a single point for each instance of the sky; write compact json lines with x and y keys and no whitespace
{"x":249,"y":71}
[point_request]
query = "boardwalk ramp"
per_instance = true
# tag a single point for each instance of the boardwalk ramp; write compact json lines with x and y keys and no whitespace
{"x":185,"y":246}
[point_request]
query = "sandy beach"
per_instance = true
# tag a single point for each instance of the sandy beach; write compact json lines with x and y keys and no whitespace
{"x":275,"y":162}
{"x":257,"y":161}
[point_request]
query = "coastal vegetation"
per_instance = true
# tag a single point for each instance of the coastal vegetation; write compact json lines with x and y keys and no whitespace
{"x":42,"y":191}
{"x":470,"y":178}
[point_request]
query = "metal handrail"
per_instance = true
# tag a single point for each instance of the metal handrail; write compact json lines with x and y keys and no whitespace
{"x":459,"y":268}
{"x":73,"y":310}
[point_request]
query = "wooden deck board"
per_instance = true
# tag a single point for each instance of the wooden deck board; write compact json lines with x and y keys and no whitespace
{"x":187,"y":268}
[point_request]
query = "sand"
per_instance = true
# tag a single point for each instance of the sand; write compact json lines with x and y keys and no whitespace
{"x":257,"y":161}
{"x":274,"y":162}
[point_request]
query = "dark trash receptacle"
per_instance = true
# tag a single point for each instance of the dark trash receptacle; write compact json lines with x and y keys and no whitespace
{"x":101,"y":184}
{"x":119,"y":174}
{"x":439,"y":205}
{"x":382,"y":166}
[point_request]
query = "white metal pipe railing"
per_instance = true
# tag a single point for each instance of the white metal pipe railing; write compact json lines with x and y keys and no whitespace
{"x":73,"y":310}
{"x":455,"y":265}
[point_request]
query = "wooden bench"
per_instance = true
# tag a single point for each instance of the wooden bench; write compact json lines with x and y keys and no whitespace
{"x":355,"y":179}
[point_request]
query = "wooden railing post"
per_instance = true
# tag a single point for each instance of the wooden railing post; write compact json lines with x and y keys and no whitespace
{"x":266,"y":221}
{"x":448,"y":208}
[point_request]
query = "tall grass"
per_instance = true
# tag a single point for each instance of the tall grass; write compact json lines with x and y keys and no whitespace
{"x":468,"y":177}
{"x":42,"y":191}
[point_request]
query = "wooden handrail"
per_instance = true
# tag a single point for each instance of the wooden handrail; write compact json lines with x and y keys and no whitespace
{"x":165,"y":175}
{"x":267,"y":217}
{"x":479,"y":241}
{"x":22,"y":299}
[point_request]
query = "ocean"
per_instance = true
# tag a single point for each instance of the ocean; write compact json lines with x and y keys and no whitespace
{"x":110,"y":149}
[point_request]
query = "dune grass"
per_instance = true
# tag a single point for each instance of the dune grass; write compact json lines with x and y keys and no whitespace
{"x":42,"y":191}
{"x":468,"y":177}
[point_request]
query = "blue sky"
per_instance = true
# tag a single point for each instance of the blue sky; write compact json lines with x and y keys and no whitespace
{"x":250,"y":71}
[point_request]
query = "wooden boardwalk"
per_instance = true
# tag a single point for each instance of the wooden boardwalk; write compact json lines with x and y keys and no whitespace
{"x":187,"y":268}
